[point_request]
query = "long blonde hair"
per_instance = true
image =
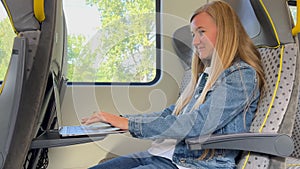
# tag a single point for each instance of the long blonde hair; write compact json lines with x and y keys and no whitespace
{"x":232,"y":42}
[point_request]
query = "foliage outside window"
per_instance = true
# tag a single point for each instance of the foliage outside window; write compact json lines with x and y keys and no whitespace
{"x":122,"y":46}
{"x":6,"y":42}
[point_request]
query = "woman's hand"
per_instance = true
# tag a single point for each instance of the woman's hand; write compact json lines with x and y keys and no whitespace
{"x":96,"y":117}
{"x":104,"y":117}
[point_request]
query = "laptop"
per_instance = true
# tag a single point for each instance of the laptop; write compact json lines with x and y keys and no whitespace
{"x":97,"y":129}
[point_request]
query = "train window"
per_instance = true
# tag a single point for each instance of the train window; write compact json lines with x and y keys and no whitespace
{"x":293,"y":9}
{"x":6,"y":42}
{"x":112,"y":41}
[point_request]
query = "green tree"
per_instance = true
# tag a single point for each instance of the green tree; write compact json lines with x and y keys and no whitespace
{"x":75,"y":44}
{"x":6,"y":43}
{"x":123,"y":50}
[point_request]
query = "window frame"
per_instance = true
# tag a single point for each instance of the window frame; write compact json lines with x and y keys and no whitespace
{"x":158,"y":73}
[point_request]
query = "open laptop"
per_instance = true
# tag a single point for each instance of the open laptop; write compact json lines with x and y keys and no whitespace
{"x":96,"y":129}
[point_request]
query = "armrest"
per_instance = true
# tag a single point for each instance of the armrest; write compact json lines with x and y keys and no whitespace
{"x":268,"y":143}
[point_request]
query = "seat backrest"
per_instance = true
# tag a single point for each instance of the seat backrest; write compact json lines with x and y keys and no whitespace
{"x":182,"y":43}
{"x":279,"y":52}
{"x":296,"y":133}
{"x":269,"y":24}
{"x":10,"y":96}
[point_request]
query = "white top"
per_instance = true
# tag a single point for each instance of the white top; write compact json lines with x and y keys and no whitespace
{"x":164,"y":148}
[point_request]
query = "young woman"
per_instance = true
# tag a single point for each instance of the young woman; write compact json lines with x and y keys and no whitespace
{"x":221,"y":98}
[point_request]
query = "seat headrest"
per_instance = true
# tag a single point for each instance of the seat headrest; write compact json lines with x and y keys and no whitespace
{"x":268,"y":23}
{"x":25,"y":15}
{"x":182,"y":43}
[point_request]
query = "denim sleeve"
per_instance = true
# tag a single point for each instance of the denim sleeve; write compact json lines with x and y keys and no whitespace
{"x":167,"y":111}
{"x":227,"y":98}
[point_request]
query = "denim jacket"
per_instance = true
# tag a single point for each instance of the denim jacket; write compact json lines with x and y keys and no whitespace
{"x":229,"y":107}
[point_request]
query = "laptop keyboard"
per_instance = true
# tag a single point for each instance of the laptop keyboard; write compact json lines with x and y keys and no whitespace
{"x":88,"y":130}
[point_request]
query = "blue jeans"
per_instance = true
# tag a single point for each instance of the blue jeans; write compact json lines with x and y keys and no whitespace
{"x":141,"y":160}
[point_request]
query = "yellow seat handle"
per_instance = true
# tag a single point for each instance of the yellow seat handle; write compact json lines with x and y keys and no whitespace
{"x":39,"y":12}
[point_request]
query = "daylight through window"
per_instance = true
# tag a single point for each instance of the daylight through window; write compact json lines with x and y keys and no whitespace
{"x":111,"y":40}
{"x":6,"y":41}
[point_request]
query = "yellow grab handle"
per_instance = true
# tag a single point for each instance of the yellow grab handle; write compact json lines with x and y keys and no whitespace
{"x":38,"y":8}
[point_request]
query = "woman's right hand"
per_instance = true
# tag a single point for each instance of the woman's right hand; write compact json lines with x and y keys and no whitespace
{"x":104,"y":117}
{"x":94,"y":118}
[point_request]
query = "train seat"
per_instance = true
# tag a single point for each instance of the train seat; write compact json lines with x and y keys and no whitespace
{"x":280,"y":52}
{"x":37,"y":63}
{"x":269,"y":24}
